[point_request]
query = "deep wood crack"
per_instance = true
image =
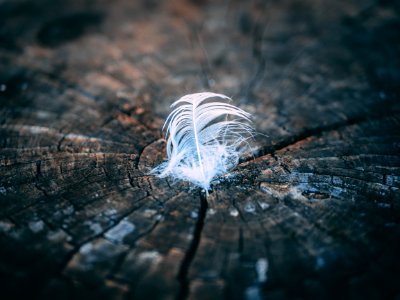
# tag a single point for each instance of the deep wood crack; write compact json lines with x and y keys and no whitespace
{"x":315,"y":132}
{"x":191,"y":252}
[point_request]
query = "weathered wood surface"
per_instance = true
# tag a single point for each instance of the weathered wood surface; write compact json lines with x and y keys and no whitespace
{"x":84,"y":89}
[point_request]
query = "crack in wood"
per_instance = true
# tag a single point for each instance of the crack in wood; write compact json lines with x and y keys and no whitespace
{"x":182,"y":277}
{"x":314,"y":132}
{"x":60,"y":142}
{"x":42,"y":190}
{"x":38,"y":175}
{"x":38,"y":169}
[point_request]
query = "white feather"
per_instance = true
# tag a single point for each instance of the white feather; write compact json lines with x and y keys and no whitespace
{"x":201,"y":142}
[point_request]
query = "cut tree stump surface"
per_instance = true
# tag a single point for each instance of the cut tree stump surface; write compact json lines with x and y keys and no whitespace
{"x":85,"y":87}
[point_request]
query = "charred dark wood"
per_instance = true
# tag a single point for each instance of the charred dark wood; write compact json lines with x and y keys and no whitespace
{"x":85,"y":87}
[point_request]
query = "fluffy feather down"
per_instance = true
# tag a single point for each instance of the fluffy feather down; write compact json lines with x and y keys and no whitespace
{"x":201,"y":142}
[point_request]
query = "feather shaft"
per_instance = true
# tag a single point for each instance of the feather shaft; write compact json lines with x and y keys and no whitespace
{"x":197,"y":141}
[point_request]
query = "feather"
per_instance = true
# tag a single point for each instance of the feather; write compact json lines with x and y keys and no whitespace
{"x":202,"y":142}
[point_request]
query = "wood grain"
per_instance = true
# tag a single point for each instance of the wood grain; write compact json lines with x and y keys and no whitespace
{"x":85,"y":87}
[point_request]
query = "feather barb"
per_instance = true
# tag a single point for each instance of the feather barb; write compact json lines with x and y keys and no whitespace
{"x":205,"y":138}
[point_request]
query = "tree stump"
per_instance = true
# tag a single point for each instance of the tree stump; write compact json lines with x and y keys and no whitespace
{"x":85,"y":87}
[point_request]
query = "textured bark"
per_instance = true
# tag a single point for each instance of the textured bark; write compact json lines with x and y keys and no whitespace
{"x":85,"y":87}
